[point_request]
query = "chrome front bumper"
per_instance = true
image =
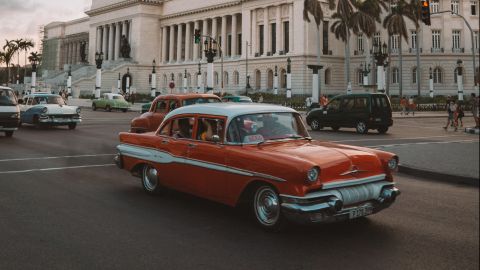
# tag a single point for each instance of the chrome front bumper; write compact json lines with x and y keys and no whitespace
{"x":59,"y":120}
{"x":340,"y":203}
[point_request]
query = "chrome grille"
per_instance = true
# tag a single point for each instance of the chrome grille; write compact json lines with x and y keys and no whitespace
{"x":361,"y":193}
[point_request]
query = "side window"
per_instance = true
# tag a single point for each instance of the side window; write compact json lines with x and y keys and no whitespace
{"x":348,"y":104}
{"x":173,"y":105}
{"x":183,"y":127}
{"x":334,"y":105}
{"x":360,"y":103}
{"x":207,"y":127}
{"x":161,"y":106}
{"x":165,"y":131}
{"x":29,"y":101}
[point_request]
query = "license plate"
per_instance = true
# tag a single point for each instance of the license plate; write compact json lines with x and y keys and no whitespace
{"x":360,"y":212}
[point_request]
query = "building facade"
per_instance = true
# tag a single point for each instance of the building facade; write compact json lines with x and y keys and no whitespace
{"x":255,"y":37}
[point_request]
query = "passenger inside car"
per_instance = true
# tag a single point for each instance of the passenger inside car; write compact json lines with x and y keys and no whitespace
{"x":182,"y":129}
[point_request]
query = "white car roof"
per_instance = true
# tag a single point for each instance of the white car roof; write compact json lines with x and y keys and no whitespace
{"x":6,"y":88}
{"x":230,"y":110}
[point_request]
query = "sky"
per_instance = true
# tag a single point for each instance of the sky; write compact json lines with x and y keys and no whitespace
{"x":23,"y":18}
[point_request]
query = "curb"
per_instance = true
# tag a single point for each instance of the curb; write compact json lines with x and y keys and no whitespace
{"x":438,"y":177}
{"x":475,"y":131}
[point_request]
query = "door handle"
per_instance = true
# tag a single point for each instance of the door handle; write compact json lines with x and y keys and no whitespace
{"x":191,"y":145}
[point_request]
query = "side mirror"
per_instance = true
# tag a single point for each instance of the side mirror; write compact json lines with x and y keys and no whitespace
{"x":215,"y":138}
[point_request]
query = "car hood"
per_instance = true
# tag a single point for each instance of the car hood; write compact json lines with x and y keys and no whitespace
{"x":337,"y":162}
{"x":57,"y":109}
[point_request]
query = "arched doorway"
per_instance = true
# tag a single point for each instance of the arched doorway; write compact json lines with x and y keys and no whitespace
{"x":258,"y":79}
{"x":283,"y":79}
{"x":270,"y":79}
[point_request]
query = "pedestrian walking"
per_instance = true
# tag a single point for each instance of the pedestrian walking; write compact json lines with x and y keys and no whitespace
{"x":403,"y":106}
{"x":451,"y":109}
{"x":474,"y":101}
{"x":460,"y":115}
{"x":411,"y":105}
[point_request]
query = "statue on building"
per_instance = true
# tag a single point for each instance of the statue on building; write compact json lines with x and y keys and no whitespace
{"x":83,"y":53}
{"x":124,"y":48}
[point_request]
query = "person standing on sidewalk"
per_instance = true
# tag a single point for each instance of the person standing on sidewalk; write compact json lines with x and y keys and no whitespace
{"x":460,"y":114}
{"x":475,"y":104}
{"x":411,"y":105}
{"x":451,"y":109}
{"x":403,"y":106}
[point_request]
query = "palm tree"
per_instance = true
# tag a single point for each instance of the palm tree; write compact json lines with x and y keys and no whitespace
{"x":415,"y":9}
{"x":314,"y":7}
{"x":25,"y":46}
{"x":10,"y":50}
{"x":35,"y":56}
{"x":396,"y":25}
{"x":18,"y":44}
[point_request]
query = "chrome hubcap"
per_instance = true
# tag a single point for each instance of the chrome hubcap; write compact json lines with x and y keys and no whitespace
{"x":361,"y":127}
{"x":315,"y":124}
{"x":267,"y":206}
{"x":150,"y":179}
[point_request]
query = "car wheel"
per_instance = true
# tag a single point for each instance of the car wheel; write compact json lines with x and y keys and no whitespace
{"x":124,"y":110}
{"x":9,"y":133}
{"x":108,"y":109}
{"x":150,"y":179}
{"x":335,"y":128}
{"x":315,"y":124}
{"x":267,"y":208}
{"x":361,"y":127}
{"x":382,"y":130}
{"x":94,"y":107}
{"x":72,"y":126}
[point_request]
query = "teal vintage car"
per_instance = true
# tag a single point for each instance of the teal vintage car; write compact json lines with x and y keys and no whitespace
{"x":109,"y":102}
{"x":242,"y":99}
{"x":146,"y":107}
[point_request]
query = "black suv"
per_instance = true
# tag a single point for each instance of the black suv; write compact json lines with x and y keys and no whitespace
{"x":361,"y":111}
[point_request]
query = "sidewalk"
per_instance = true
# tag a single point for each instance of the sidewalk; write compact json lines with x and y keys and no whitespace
{"x":437,"y":114}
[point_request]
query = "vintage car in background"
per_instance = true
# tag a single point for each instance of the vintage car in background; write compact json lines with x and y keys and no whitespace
{"x":215,"y":152}
{"x":109,"y":102}
{"x":45,"y":109}
{"x":242,"y":99}
{"x":9,"y":111}
{"x":162,"y":105}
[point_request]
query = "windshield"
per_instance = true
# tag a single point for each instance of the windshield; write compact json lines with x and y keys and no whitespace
{"x":118,"y":97}
{"x":192,"y":101}
{"x":257,"y":128}
{"x":48,"y":100}
{"x":7,"y":98}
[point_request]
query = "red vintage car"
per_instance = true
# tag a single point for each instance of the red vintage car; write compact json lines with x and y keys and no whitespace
{"x":263,"y":155}
{"x":162,"y":105}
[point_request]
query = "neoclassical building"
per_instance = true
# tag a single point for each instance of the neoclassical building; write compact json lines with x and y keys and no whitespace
{"x":256,"y":38}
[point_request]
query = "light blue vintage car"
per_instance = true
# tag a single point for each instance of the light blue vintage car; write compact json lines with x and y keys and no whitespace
{"x":45,"y":109}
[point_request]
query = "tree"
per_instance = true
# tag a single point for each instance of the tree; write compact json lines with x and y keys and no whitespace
{"x":396,"y":25}
{"x":35,"y":56}
{"x":314,"y":7}
{"x":10,"y":50}
{"x":18,"y":44}
{"x":415,"y":8}
{"x":25,"y":46}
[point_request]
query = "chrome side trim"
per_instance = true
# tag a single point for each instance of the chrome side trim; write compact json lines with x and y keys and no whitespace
{"x":157,"y":156}
{"x":361,"y":181}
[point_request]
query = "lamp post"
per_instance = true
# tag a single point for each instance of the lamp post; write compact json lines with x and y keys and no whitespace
{"x":185,"y":82}
{"x":69,"y":81}
{"x":127,"y":83}
{"x":460,"y":79}
{"x":172,"y":83}
{"x":119,"y":84}
{"x":275,"y":82}
{"x":431,"y":83}
{"x":98,"y":81}
{"x":34,"y":63}
{"x":289,"y":78}
{"x":247,"y":86}
{"x":380,"y":54}
{"x":153,"y":89}
{"x":365,"y":71}
{"x":210,"y":45}
{"x":199,"y":79}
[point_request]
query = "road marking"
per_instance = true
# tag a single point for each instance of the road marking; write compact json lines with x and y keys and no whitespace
{"x":57,"y":169}
{"x":420,"y":143}
{"x":56,"y":157}
{"x":390,"y":139}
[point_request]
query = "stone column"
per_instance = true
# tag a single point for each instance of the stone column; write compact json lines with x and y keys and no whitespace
{"x":179,"y":42}
{"x":234,"y":35}
{"x":188,"y":41}
{"x":171,"y":49}
{"x":104,"y":42}
{"x":110,"y":42}
{"x":266,"y":32}
{"x":164,"y":44}
{"x":278,"y":30}
{"x":71,"y":53}
{"x":204,"y":33}
{"x":98,"y":43}
{"x":214,"y":28}
{"x":196,"y":46}
{"x":290,"y":30}
{"x":77,"y":52}
{"x":254,"y":49}
{"x":117,"y":41}
{"x":124,"y":28}
{"x":224,"y":36}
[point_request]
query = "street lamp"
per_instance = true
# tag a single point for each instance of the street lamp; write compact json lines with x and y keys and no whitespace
{"x":69,"y":80}
{"x":365,"y":71}
{"x":460,"y":79}
{"x":185,"y":82}
{"x":430,"y":82}
{"x":153,"y":89}
{"x":380,"y":54}
{"x":289,"y":78}
{"x":210,"y":45}
{"x":34,"y":63}
{"x":98,"y":82}
{"x":127,"y":83}
{"x":199,"y":78}
{"x":248,"y":85}
{"x":275,"y":82}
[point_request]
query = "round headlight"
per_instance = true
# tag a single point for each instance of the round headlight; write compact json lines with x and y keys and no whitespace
{"x":44,"y":110}
{"x":393,"y":164}
{"x":312,"y":174}
{"x":78,"y":110}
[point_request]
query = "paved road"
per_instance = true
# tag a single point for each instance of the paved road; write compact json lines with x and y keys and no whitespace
{"x":71,"y":215}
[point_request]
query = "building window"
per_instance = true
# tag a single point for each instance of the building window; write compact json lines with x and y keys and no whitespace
{"x":325,"y":37}
{"x":394,"y":40}
{"x":437,"y":75}
{"x":328,"y":76}
{"x":239,"y":44}
{"x":456,"y":39}
{"x":229,"y":45}
{"x":274,"y":38}
{"x":261,"y":32}
{"x":435,"y":6}
{"x":475,"y":40}
{"x":395,"y":75}
{"x":376,"y":38}
{"x":473,"y":7}
{"x":258,"y":79}
{"x":414,"y":39}
{"x":360,"y":44}
{"x":436,"y":39}
{"x":359,"y":77}
{"x":414,"y":75}
{"x":236,"y":78}
{"x":286,"y":36}
{"x":454,"y":6}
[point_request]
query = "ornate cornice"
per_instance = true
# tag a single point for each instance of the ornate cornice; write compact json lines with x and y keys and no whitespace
{"x":205,"y":9}
{"x":124,"y":4}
